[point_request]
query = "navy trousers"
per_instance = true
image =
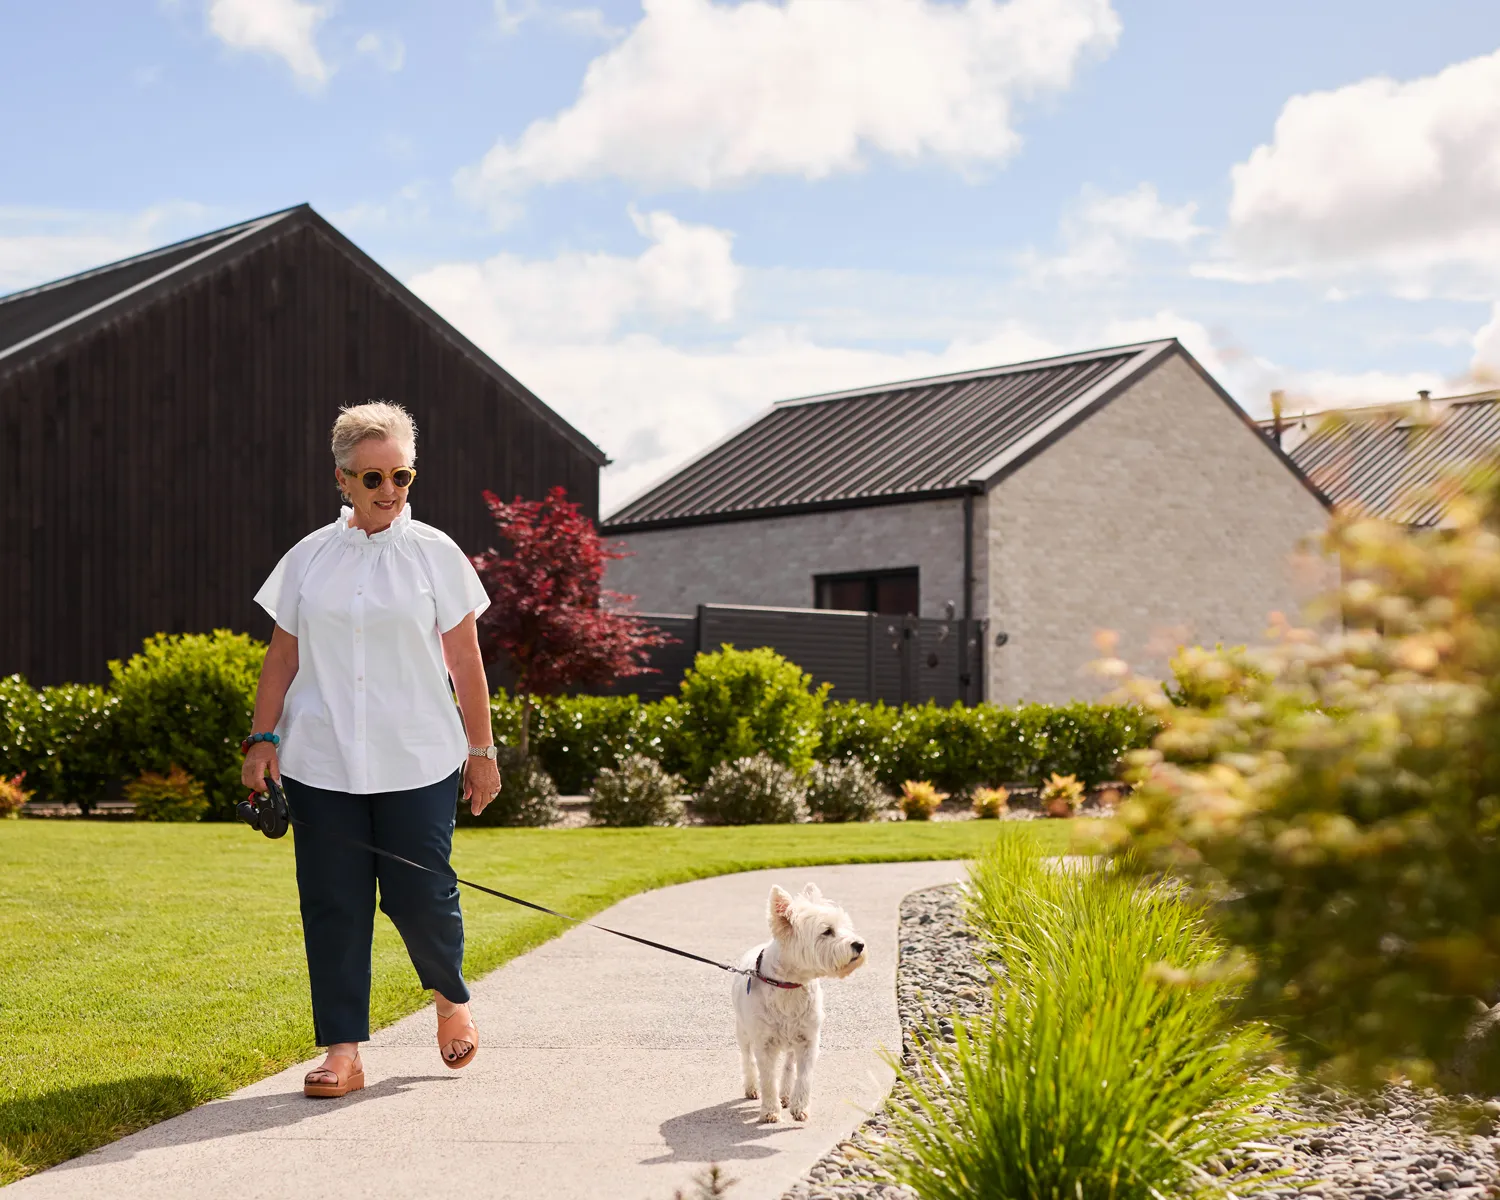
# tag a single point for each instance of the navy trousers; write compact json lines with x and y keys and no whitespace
{"x":336,"y":884}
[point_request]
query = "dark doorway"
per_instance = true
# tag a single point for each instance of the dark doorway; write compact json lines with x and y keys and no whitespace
{"x":894,"y":593}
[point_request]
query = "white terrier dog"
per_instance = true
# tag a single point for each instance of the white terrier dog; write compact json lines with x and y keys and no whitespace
{"x":778,"y":1007}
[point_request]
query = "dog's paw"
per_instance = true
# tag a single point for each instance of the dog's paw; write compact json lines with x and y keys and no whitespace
{"x":770,"y":1118}
{"x":799,"y":1114}
{"x":784,"y":1102}
{"x":752,"y":1092}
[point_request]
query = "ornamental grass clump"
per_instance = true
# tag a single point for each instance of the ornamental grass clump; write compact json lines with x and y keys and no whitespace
{"x":990,"y":803}
{"x":1061,"y":795}
{"x":1336,"y":794}
{"x":752,"y":791}
{"x":12,"y":795}
{"x":919,"y":800}
{"x":845,"y":790}
{"x":1109,"y":1068}
{"x":174,"y":796}
{"x":637,"y":792}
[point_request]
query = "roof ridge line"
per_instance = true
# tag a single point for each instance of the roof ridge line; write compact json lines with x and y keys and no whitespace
{"x":1031,"y":364}
{"x":243,"y":231}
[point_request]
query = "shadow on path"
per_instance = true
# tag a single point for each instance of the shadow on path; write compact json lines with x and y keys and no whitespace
{"x":721,"y":1133}
{"x":245,"y":1114}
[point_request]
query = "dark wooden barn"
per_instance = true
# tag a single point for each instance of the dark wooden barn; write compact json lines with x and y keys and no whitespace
{"x":165,"y":430}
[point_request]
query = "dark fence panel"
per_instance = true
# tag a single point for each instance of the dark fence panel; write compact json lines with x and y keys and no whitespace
{"x":866,"y":656}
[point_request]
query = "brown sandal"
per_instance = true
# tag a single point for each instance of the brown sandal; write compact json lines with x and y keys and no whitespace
{"x":350,"y":1081}
{"x":458,"y":1026}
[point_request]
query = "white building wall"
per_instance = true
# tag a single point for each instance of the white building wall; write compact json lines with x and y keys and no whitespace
{"x":773,"y":561}
{"x":1163,"y":517}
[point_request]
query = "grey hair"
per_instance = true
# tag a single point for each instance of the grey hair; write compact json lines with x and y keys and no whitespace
{"x":378,"y":419}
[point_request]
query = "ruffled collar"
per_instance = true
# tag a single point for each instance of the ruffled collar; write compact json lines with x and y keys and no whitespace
{"x":358,"y":537}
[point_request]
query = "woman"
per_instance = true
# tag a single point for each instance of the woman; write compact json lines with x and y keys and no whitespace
{"x":353,"y":715}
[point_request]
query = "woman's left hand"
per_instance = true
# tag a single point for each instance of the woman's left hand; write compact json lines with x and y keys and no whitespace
{"x":481,"y":782}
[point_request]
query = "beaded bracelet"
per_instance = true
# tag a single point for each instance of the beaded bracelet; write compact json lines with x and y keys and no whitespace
{"x":258,"y":737}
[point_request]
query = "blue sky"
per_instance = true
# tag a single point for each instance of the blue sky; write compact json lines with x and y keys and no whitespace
{"x":664,"y":216}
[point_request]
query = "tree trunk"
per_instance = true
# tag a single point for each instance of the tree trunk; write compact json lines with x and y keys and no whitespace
{"x":525,"y":726}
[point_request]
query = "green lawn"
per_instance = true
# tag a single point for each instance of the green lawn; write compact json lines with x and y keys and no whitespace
{"x":147,"y":968}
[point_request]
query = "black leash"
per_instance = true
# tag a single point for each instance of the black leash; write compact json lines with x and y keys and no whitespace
{"x":269,"y":812}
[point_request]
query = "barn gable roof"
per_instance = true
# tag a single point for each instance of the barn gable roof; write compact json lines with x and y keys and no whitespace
{"x":1387,"y":460}
{"x":39,"y":320}
{"x":923,"y":439}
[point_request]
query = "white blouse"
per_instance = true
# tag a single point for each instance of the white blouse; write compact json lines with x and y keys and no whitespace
{"x":370,"y":709}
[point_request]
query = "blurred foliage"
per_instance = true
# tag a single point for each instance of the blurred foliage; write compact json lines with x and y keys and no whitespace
{"x":990,"y":803}
{"x":919,"y":800}
{"x":1061,"y":795}
{"x":1336,"y":794}
{"x":175,"y":796}
{"x":13,"y":794}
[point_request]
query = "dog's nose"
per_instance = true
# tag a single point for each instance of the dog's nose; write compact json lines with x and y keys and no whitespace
{"x":857,"y":947}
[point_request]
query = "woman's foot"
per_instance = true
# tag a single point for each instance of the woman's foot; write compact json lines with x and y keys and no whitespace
{"x":457,"y":1037}
{"x":341,"y":1073}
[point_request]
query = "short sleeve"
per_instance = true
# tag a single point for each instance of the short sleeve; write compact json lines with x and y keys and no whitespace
{"x":278,"y":595}
{"x":455,"y":584}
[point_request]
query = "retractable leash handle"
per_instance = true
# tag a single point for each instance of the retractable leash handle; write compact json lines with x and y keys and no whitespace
{"x":267,"y":810}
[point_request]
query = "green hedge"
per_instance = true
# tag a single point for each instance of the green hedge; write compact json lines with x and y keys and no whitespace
{"x":186,"y":700}
{"x":956,"y":748}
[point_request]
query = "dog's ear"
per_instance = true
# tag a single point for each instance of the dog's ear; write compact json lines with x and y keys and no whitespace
{"x":779,"y":910}
{"x":812,"y":893}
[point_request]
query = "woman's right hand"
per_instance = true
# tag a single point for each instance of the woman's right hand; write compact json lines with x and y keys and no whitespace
{"x":258,"y":763}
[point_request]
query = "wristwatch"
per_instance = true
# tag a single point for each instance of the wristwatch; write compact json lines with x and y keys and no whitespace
{"x":489,"y":752}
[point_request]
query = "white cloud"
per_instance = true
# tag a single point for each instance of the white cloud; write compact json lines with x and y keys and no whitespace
{"x":1485,"y":366}
{"x":1396,"y":181}
{"x":706,"y":95}
{"x":386,"y":49}
{"x":1101,"y":235}
{"x":687,"y":272}
{"x":40,"y":245}
{"x":510,"y":15}
{"x":284,"y":28}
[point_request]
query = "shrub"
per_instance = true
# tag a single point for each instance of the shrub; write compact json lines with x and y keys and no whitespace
{"x":188,"y":699}
{"x":960,"y":748}
{"x":13,"y":795}
{"x":1095,"y":1076}
{"x":919,"y":800}
{"x":739,"y":703}
{"x":637,"y":792}
{"x":845,"y":790}
{"x":175,"y":796}
{"x":1336,"y":793}
{"x":20,"y":726}
{"x":989,"y":803}
{"x":78,"y":743}
{"x":528,"y":797}
{"x":1061,"y":795}
{"x":753,"y":791}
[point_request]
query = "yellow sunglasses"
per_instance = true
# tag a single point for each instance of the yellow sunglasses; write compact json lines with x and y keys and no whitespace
{"x":372,"y":479}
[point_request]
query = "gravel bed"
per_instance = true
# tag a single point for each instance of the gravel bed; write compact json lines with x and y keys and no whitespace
{"x":1384,"y":1148}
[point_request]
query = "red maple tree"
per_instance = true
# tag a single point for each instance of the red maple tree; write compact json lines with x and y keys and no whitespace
{"x":547,"y":613}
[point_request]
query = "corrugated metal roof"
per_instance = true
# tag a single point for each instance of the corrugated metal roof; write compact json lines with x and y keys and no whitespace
{"x":903,"y":441}
{"x":1388,"y":462}
{"x":36,"y":320}
{"x":30,"y":315}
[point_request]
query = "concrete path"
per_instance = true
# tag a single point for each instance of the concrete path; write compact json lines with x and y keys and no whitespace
{"x":606,"y":1070}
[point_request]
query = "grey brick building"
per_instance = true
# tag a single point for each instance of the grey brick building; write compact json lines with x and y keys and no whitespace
{"x":1120,"y":489}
